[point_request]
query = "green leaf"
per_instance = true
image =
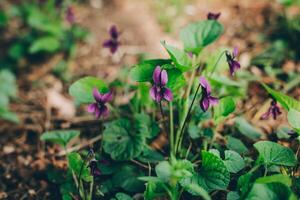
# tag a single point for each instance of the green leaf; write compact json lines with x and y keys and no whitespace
{"x":247,"y":129}
{"x":82,"y":89}
{"x":8,"y":115}
{"x":225,"y":106}
{"x":123,"y":196}
{"x":236,"y":145}
{"x":195,"y":189}
{"x":179,"y":57}
{"x":150,"y":155}
{"x":294,"y":118}
{"x":213,"y":174}
{"x":197,"y":35}
{"x":233,"y":196}
{"x":286,"y":101}
{"x":61,"y":137}
{"x":145,"y":126}
{"x":270,"y":191}
{"x":76,"y":164}
{"x":8,"y":86}
{"x":47,"y":43}
{"x":153,"y":190}
{"x":279,"y":178}
{"x":233,"y":161}
{"x":275,"y":154}
{"x":163,"y":171}
{"x":121,"y":141}
{"x":143,"y":71}
{"x":176,"y":80}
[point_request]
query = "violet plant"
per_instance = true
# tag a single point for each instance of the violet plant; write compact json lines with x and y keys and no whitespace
{"x":178,"y":101}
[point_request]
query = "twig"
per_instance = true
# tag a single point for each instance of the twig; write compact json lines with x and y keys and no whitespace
{"x":80,"y":146}
{"x":140,"y":164}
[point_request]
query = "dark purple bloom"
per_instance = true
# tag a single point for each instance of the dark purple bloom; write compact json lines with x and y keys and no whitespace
{"x":99,"y":108}
{"x":213,"y":16}
{"x":233,"y":64}
{"x":206,"y":99}
{"x":273,"y":110}
{"x":70,"y":17}
{"x":112,"y":43}
{"x":159,"y":91}
{"x":95,"y":171}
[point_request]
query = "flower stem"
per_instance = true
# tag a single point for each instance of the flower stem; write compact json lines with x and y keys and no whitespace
{"x":186,"y":119}
{"x":216,"y":64}
{"x":171,"y":128}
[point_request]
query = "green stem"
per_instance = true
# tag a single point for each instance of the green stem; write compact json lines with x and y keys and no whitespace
{"x":171,"y":128}
{"x":216,"y":64}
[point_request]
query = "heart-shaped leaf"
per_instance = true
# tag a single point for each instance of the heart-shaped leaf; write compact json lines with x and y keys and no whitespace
{"x":61,"y":137}
{"x":121,"y":141}
{"x":275,"y":154}
{"x":82,"y":89}
{"x":233,"y":161}
{"x":197,"y":35}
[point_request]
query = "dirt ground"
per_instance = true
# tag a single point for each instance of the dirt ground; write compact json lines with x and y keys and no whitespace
{"x":44,"y":103}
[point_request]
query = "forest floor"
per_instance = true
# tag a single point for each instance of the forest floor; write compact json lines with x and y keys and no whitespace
{"x":44,"y":103}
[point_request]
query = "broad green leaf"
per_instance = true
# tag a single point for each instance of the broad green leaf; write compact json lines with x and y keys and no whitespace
{"x":236,"y":145}
{"x":61,"y":137}
{"x":122,"y":196}
{"x":145,"y":126}
{"x":195,"y":189}
{"x":196,"y":36}
{"x":213,"y":174}
{"x":233,"y":196}
{"x":247,"y":129}
{"x":77,"y":164}
{"x":121,"y":141}
{"x":47,"y":44}
{"x":82,"y":89}
{"x":270,"y":191}
{"x":294,"y":118}
{"x":279,"y":178}
{"x":286,"y":101}
{"x":176,"y":80}
{"x":180,"y":58}
{"x":225,"y":106}
{"x":275,"y":154}
{"x":127,"y":179}
{"x":143,"y":72}
{"x":233,"y":161}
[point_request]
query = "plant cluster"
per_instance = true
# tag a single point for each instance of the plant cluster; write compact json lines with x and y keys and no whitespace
{"x":166,"y":142}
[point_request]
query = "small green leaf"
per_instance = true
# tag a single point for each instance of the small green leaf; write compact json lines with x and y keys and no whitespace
{"x":61,"y":137}
{"x":247,"y":129}
{"x":233,"y":196}
{"x":47,"y":43}
{"x":123,"y":196}
{"x":180,"y":58}
{"x":233,"y":161}
{"x":213,"y":174}
{"x":77,"y":164}
{"x":121,"y":141}
{"x":279,"y":178}
{"x":236,"y":145}
{"x":286,"y":101}
{"x":275,"y":154}
{"x":154,"y":189}
{"x":8,"y":89}
{"x":150,"y":155}
{"x":197,"y":35}
{"x":82,"y":89}
{"x":176,"y":80}
{"x":225,"y":106}
{"x":163,"y":171}
{"x":195,"y":189}
{"x":294,"y":118}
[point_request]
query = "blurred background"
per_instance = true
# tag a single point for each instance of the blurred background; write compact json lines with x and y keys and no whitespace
{"x":47,"y":44}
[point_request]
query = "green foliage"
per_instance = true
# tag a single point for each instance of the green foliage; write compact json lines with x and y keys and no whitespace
{"x":294,"y":118}
{"x":247,"y":129}
{"x":236,"y":145}
{"x":77,"y":164}
{"x":279,"y":178}
{"x":121,"y":141}
{"x":48,"y":44}
{"x":82,"y":89}
{"x":197,"y":35}
{"x":61,"y":137}
{"x":274,"y":154}
{"x":122,"y":196}
{"x":225,"y":106}
{"x":233,"y":161}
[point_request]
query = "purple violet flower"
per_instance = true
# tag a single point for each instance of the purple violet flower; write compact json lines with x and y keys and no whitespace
{"x":70,"y":17}
{"x":273,"y":110}
{"x":112,"y":43}
{"x":159,"y":91}
{"x":206,"y":99}
{"x":99,"y":108}
{"x":213,"y":16}
{"x":95,"y":171}
{"x":233,"y":64}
